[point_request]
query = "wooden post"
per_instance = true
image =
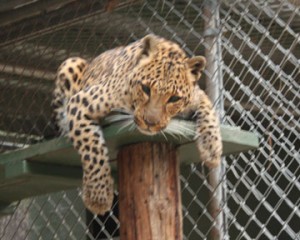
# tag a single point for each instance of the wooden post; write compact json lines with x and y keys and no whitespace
{"x":149,"y":192}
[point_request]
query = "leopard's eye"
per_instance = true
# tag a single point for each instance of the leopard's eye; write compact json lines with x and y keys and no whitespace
{"x":174,"y":99}
{"x":146,"y":89}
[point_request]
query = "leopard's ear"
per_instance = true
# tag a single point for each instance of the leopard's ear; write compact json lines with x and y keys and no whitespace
{"x":149,"y":43}
{"x":196,"y":65}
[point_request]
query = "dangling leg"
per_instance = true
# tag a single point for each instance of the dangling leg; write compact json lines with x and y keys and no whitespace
{"x":208,"y":139}
{"x":83,"y":113}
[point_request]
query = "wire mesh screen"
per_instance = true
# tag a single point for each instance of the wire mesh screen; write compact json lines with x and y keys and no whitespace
{"x":259,"y":91}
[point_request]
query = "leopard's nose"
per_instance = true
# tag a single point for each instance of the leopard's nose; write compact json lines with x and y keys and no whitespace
{"x":151,"y":122}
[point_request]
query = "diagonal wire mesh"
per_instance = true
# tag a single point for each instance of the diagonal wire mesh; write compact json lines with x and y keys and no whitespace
{"x":260,"y":91}
{"x":261,"y":46}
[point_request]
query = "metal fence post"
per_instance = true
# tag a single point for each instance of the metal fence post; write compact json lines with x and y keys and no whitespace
{"x":213,"y":89}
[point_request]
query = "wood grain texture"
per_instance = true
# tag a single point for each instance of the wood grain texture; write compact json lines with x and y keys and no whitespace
{"x":149,"y":192}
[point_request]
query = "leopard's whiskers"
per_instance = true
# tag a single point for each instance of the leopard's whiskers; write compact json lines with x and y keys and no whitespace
{"x":164,"y":135}
{"x":132,"y":126}
{"x":119,"y":117}
{"x":178,"y":130}
{"x":127,"y":124}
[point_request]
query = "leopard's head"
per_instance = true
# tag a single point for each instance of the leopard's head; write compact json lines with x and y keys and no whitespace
{"x":163,"y":82}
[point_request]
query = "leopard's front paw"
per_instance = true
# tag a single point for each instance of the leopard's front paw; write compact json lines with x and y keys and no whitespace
{"x":210,"y":151}
{"x":98,"y":198}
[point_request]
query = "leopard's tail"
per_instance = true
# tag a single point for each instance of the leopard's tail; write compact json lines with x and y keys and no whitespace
{"x":68,"y":82}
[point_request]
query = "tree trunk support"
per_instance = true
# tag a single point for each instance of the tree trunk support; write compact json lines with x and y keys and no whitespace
{"x":149,"y":192}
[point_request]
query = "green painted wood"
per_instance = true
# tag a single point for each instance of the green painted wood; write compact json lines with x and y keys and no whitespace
{"x":56,"y":150}
{"x":25,"y":179}
{"x":234,"y":141}
{"x":54,"y":165}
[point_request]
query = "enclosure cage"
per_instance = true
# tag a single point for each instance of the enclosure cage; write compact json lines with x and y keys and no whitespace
{"x":255,"y":86}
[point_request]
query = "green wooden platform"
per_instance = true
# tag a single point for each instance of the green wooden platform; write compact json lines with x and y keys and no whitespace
{"x":54,"y":165}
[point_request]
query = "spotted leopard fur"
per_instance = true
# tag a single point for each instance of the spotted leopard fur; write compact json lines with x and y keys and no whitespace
{"x":154,"y":80}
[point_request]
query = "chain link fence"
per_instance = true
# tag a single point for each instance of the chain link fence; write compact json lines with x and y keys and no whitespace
{"x":260,"y":92}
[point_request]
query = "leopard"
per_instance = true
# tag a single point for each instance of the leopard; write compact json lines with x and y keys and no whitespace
{"x":153,"y":80}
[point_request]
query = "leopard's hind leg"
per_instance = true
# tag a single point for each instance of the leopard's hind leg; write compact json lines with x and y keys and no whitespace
{"x":68,"y":82}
